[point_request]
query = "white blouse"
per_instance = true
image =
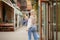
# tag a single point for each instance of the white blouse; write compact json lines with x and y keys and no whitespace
{"x":31,"y":22}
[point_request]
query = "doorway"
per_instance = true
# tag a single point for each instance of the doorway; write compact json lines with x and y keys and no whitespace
{"x":49,"y":20}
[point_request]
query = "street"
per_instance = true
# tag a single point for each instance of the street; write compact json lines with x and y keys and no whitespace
{"x":20,"y":34}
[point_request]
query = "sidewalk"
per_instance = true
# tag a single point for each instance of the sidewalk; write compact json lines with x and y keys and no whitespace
{"x":20,"y":34}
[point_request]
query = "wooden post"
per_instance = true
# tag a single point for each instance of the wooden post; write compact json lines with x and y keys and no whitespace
{"x":56,"y":20}
{"x":40,"y":20}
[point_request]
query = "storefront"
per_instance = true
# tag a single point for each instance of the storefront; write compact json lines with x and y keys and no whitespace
{"x":9,"y":17}
{"x":18,"y":17}
{"x":50,"y":19}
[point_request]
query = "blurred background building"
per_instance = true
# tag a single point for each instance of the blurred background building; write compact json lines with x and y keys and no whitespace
{"x":10,"y":15}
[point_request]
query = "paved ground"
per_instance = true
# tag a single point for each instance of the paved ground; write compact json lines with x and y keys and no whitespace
{"x":20,"y":34}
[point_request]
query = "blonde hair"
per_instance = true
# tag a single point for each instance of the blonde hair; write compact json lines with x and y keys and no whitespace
{"x":33,"y":16}
{"x":33,"y":11}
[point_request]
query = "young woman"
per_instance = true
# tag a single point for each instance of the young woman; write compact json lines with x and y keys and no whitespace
{"x":31,"y":27}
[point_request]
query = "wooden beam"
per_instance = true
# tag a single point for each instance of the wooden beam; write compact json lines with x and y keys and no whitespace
{"x":56,"y":20}
{"x":40,"y":20}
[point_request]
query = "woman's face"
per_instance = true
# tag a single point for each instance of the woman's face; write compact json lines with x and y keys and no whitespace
{"x":32,"y":13}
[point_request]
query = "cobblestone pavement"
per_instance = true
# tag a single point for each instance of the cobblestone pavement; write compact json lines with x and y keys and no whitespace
{"x":20,"y":34}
